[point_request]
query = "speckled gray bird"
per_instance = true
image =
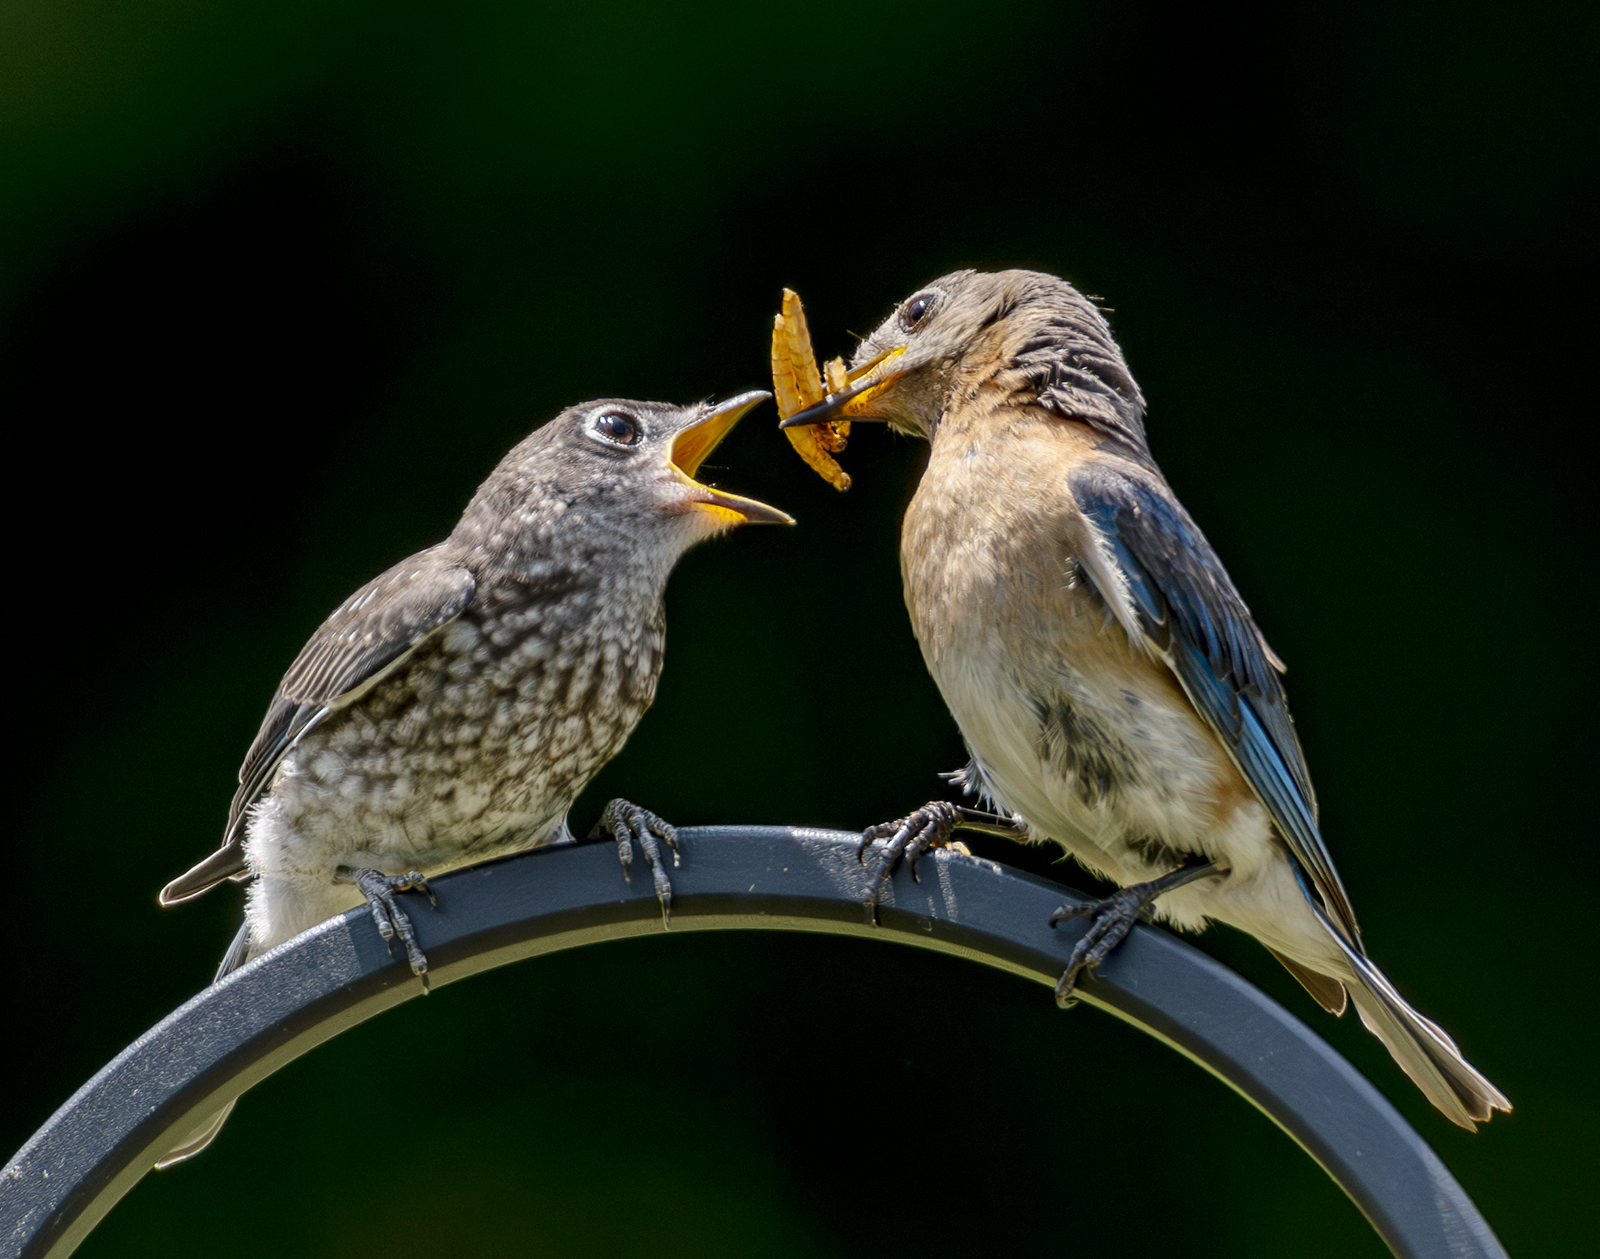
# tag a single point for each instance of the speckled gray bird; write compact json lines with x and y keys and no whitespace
{"x":453,"y":708}
{"x":1115,"y":693}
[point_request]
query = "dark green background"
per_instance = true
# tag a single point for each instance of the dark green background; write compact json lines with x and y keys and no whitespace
{"x":280,"y":282}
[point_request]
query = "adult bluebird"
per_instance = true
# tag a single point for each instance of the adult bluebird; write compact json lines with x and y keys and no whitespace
{"x":453,"y":708}
{"x":1112,"y":688}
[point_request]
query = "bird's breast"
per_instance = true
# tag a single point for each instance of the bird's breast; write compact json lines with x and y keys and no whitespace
{"x":492,"y":728}
{"x":1071,"y":724}
{"x":990,"y":539}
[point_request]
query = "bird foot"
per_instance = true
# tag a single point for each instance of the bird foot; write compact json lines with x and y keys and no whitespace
{"x":392,"y":921}
{"x":628,"y":824}
{"x":1111,"y":919}
{"x":910,"y":838}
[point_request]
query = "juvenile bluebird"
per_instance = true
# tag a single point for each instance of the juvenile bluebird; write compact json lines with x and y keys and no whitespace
{"x":1114,"y":692}
{"x":453,"y":708}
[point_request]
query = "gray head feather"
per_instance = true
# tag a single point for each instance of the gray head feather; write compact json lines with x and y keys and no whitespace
{"x":1027,"y":332}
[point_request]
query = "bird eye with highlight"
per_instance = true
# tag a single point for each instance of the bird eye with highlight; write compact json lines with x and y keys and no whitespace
{"x":616,"y":428}
{"x":916,"y":311}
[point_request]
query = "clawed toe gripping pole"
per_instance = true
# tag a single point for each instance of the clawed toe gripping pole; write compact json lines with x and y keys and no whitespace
{"x":916,"y":834}
{"x":1111,"y":919}
{"x":628,"y":824}
{"x":391,"y":920}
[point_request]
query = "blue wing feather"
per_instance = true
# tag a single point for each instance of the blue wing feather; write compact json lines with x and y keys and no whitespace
{"x":1188,"y":608}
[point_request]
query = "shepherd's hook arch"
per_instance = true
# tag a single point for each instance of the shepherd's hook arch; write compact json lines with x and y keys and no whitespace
{"x":239,"y":1031}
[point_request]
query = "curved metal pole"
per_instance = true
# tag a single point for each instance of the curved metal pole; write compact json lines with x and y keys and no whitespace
{"x":239,"y":1031}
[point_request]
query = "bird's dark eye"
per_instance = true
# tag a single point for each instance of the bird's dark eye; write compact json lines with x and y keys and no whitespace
{"x":916,"y":310}
{"x":616,"y":427}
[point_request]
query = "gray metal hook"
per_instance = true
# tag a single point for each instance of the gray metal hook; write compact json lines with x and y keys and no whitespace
{"x":239,"y":1031}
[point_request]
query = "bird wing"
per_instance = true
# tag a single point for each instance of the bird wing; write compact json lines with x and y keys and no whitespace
{"x":368,"y":636}
{"x":1161,"y":576}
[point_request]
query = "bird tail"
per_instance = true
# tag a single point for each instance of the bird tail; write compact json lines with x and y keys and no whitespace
{"x":237,"y":955}
{"x":1421,"y":1047}
{"x":226,"y":863}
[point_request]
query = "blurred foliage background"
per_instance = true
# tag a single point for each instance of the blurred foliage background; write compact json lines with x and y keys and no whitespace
{"x":279,"y":283}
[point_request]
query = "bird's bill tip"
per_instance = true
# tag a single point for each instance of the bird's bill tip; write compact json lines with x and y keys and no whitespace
{"x":698,"y":440}
{"x":732,"y":509}
{"x":866,"y":383}
{"x":702,"y":436}
{"x":727,"y":510}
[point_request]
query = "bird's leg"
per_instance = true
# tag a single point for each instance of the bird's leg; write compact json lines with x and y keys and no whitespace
{"x":380,"y":889}
{"x":917,"y":833}
{"x":1111,"y":919}
{"x":628,"y":824}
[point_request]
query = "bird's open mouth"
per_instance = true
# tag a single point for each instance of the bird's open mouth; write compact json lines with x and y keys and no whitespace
{"x":865,"y":383}
{"x":689,"y":451}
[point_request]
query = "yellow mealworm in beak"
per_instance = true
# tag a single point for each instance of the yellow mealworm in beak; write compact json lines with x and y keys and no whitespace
{"x":797,"y":384}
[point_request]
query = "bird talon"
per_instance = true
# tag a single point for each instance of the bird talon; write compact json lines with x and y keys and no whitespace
{"x":391,"y":920}
{"x":415,"y":882}
{"x":909,"y":839}
{"x":1110,"y":921}
{"x":628,"y":824}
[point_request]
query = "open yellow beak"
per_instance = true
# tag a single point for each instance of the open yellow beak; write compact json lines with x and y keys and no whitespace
{"x":689,"y":451}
